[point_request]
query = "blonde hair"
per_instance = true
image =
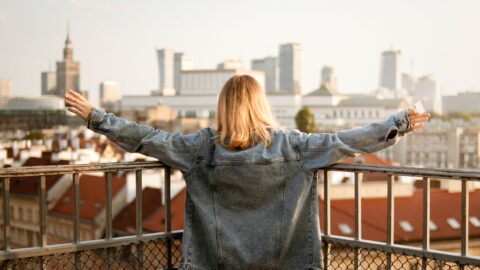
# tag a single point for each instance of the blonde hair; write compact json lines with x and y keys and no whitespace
{"x":243,"y":114}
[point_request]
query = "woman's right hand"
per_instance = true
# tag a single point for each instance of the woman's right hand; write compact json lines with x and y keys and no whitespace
{"x":417,"y":120}
{"x":77,"y":104}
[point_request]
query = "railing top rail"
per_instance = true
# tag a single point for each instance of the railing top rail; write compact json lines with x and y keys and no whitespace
{"x":115,"y":166}
{"x":78,"y":168}
{"x":408,"y":171}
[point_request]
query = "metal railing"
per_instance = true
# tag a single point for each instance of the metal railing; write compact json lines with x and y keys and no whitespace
{"x":168,"y":241}
{"x":423,"y":258}
{"x":162,"y":250}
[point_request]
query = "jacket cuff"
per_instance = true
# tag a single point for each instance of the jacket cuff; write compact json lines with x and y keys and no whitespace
{"x":402,"y":122}
{"x":95,"y":117}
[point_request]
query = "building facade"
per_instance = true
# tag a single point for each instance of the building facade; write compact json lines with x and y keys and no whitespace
{"x":289,"y":62}
{"x":269,"y":65}
{"x":328,"y":78}
{"x":462,"y":102}
{"x":183,"y":61}
{"x":426,"y":90}
{"x":390,"y":71}
{"x":110,"y":96}
{"x":49,"y":82}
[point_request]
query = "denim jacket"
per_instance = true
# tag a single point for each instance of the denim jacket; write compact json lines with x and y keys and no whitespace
{"x":255,"y":208}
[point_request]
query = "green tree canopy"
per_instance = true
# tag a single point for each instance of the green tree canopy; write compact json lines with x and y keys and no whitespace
{"x":305,"y":120}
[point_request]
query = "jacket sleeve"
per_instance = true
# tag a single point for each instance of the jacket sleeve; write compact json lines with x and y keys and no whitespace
{"x":323,"y":149}
{"x":173,"y":149}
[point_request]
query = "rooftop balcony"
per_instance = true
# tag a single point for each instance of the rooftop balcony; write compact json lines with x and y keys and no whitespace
{"x":162,"y":250}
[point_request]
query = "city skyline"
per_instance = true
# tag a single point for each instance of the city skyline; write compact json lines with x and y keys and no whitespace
{"x":350,"y":41}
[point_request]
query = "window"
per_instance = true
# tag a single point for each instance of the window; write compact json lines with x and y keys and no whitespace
{"x":475,"y":221}
{"x":433,"y":226}
{"x":29,"y":215}
{"x":406,"y":226}
{"x":344,"y":228}
{"x":453,"y":223}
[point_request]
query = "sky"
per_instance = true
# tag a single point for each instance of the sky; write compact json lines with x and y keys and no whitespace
{"x":116,"y":39}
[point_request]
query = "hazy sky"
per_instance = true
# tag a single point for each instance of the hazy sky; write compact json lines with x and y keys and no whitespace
{"x":116,"y":40}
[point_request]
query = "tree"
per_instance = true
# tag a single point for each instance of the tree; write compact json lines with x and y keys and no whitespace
{"x":305,"y":120}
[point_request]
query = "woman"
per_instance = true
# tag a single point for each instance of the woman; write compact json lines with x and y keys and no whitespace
{"x":251,"y":192}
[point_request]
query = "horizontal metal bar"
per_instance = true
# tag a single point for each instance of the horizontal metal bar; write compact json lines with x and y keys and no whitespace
{"x":408,"y":171}
{"x":86,"y":245}
{"x":78,"y":168}
{"x":403,"y":250}
{"x":115,"y":166}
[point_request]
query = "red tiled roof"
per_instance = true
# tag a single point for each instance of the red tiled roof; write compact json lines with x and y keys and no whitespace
{"x":92,"y":196}
{"x":151,"y":200}
{"x":374,"y":212}
{"x":155,"y":223}
{"x":29,"y":185}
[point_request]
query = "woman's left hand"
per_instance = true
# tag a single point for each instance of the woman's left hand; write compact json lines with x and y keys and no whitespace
{"x":417,"y":120}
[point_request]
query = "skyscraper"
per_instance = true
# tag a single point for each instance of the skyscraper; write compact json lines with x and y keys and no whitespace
{"x":289,"y":65}
{"x":5,"y":92}
{"x":183,"y":61}
{"x":329,"y":79}
{"x":390,"y":77}
{"x":68,"y":70}
{"x":269,"y":65}
{"x":166,"y":68}
{"x":49,"y":82}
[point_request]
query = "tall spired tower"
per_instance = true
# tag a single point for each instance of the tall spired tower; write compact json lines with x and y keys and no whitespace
{"x":68,"y":70}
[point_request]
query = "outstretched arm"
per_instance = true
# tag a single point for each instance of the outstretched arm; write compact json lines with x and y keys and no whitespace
{"x":323,"y":149}
{"x":174,"y":149}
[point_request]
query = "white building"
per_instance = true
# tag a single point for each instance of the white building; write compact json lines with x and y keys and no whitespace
{"x":463,"y":102}
{"x":46,"y":102}
{"x":333,"y":109}
{"x":183,"y":61}
{"x":426,"y":90}
{"x":211,"y":81}
{"x":328,"y":78}
{"x":438,"y":147}
{"x":408,"y":82}
{"x":166,"y":60}
{"x":289,"y":63}
{"x":5,"y":92}
{"x":110,"y":95}
{"x":232,"y":63}
{"x":269,"y":65}
{"x":390,"y":71}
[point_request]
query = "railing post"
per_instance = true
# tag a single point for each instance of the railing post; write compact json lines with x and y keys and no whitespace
{"x":465,"y":217}
{"x":390,"y":218}
{"x":326,"y":216}
{"x":6,"y":213}
{"x":108,"y":214}
{"x":358,"y":217}
{"x":138,"y":216}
{"x":426,"y":219}
{"x":168,"y":225}
{"x":76,"y":218}
{"x":42,"y":216}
